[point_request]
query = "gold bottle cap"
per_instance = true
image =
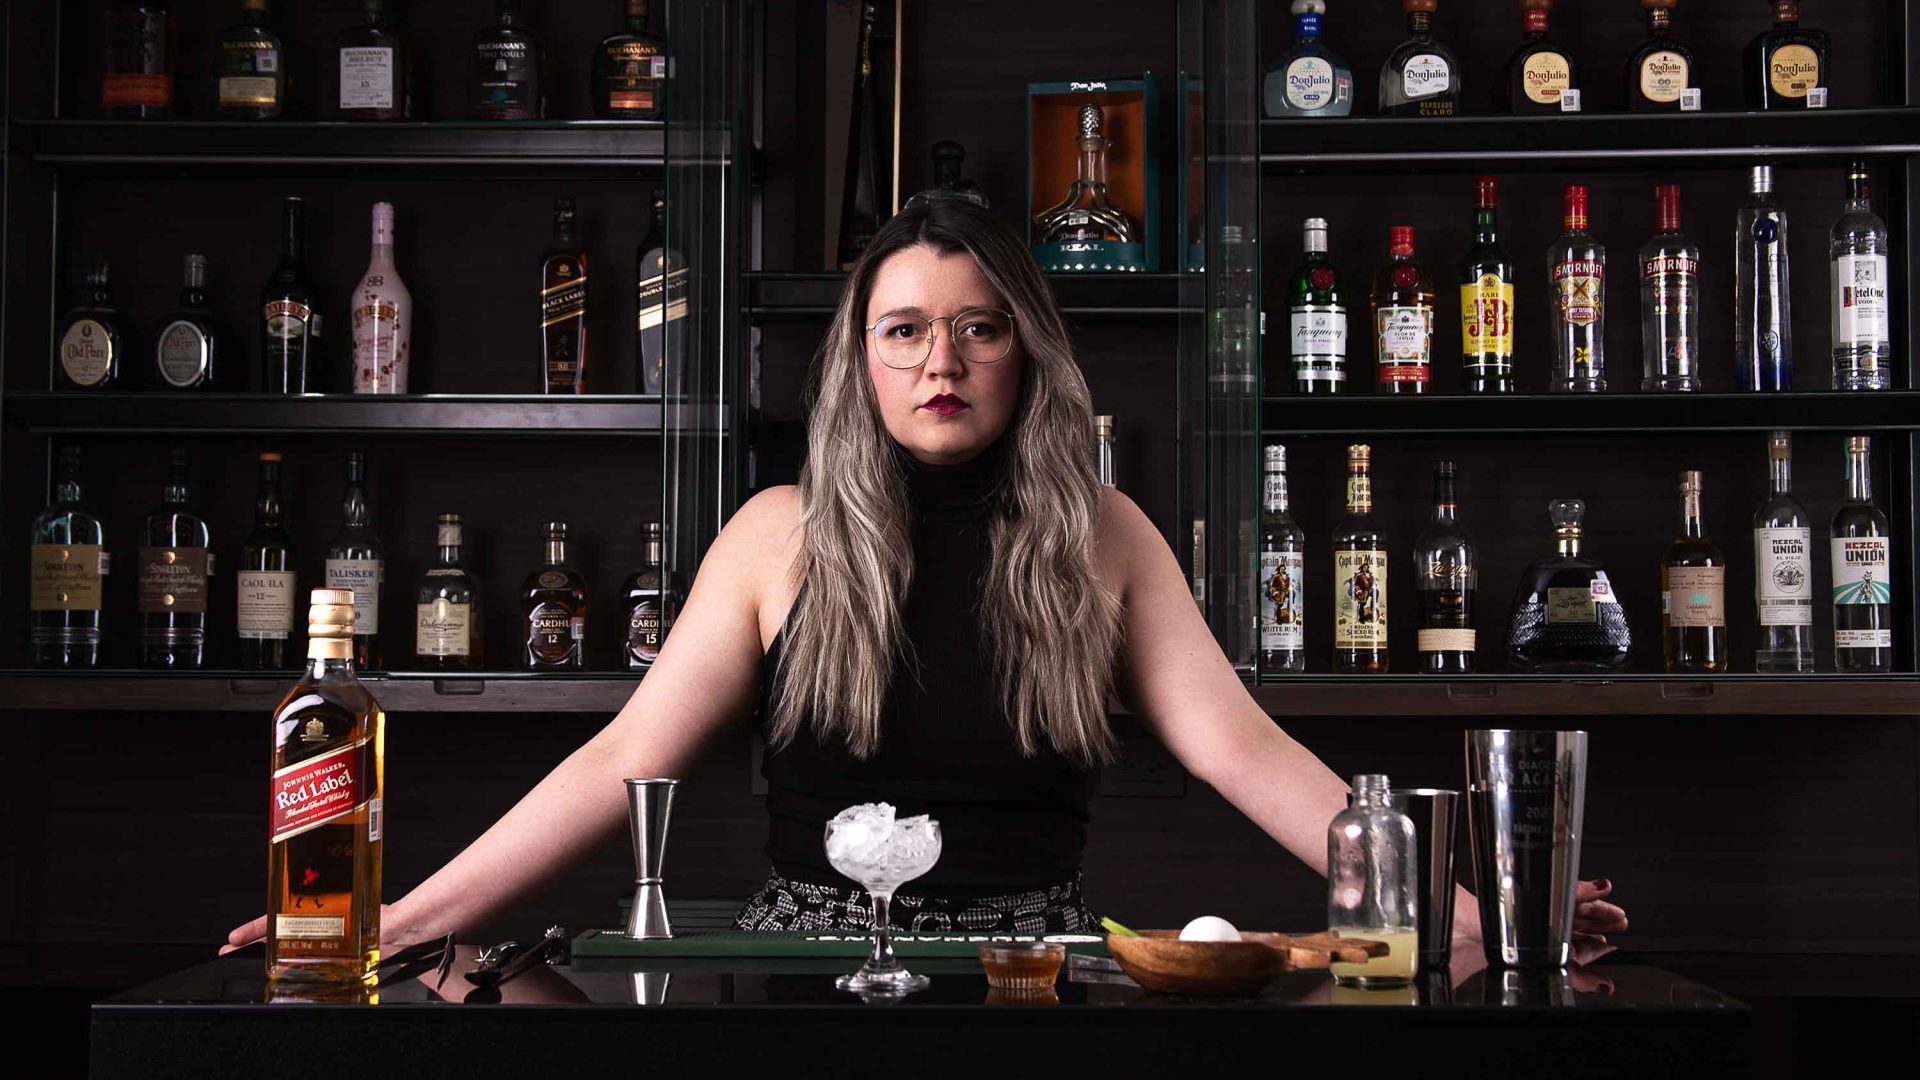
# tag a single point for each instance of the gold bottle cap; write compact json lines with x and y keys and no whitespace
{"x":330,"y":625}
{"x":1358,"y":455}
{"x":1103,"y":427}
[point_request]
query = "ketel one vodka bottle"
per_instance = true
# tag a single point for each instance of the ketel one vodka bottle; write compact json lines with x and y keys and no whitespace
{"x":1309,"y":80}
{"x":1567,"y":616}
{"x":1578,"y":265}
{"x":1445,"y":570}
{"x":1862,"y":349}
{"x":1317,"y":318}
{"x":1670,"y":300}
{"x":1283,"y":570}
{"x":1862,"y":571}
{"x":323,"y":864}
{"x":1783,"y":569}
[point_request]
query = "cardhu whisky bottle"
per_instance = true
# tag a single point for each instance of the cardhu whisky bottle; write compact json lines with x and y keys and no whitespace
{"x":553,"y":606}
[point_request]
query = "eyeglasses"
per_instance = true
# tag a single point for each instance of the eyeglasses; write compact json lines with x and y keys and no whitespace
{"x":980,"y":336}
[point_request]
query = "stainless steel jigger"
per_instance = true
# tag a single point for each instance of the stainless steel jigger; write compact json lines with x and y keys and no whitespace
{"x":649,"y":803}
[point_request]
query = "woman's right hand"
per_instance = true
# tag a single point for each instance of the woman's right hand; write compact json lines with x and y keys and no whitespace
{"x":393,"y":935}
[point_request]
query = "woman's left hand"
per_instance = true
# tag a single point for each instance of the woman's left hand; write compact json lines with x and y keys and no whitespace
{"x":1593,"y":915}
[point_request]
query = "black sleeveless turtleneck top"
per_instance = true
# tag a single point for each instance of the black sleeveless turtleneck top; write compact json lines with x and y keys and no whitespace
{"x":1008,"y":823}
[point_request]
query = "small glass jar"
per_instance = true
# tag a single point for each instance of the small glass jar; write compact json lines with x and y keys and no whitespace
{"x":1373,"y":885}
{"x":1022,"y":965}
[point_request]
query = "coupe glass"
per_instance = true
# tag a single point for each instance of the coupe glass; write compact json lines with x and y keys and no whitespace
{"x":884,"y":869}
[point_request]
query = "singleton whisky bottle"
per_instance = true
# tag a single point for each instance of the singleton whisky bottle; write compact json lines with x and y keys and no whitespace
{"x":176,"y":572}
{"x":376,"y":74}
{"x":447,"y":609}
{"x":1402,"y":301}
{"x":1693,"y":592}
{"x":1783,"y":570}
{"x":630,"y":71}
{"x":266,"y":592}
{"x":553,"y":605}
{"x":357,"y":563}
{"x":1308,"y":80}
{"x":508,"y":61}
{"x":1445,"y":572}
{"x":1862,"y":571}
{"x":382,"y":317}
{"x":252,"y":67}
{"x":563,"y":307}
{"x":188,"y":347}
{"x":1283,"y":574}
{"x":70,"y":564}
{"x":1103,"y":450}
{"x":92,"y":337}
{"x":1541,"y":71}
{"x":289,"y":313}
{"x":325,"y":808}
{"x":1786,"y":64}
{"x":1579,"y":290}
{"x":1567,"y":616}
{"x":1486,"y":299}
{"x":1086,"y":214}
{"x":1762,"y":300}
{"x":652,"y":603}
{"x":1359,"y":576}
{"x":137,"y":81}
{"x":1857,"y":250}
{"x":1316,"y":319}
{"x":1670,"y":301}
{"x":1660,"y":71}
{"x":661,"y":306}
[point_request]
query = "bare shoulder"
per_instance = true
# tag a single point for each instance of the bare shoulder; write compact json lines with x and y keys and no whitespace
{"x":1127,"y":539}
{"x":754,"y":556}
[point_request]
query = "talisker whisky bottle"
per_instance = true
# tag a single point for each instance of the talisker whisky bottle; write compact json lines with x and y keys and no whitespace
{"x":1693,"y":592}
{"x":1862,"y":572}
{"x":1359,"y":576}
{"x":323,"y":863}
{"x":563,"y":307}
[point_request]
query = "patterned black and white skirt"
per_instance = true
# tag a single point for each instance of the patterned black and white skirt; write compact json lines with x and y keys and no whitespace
{"x":783,"y":904}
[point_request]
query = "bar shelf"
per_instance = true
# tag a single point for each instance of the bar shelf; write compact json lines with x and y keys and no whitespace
{"x":1447,"y":414}
{"x":136,"y":412}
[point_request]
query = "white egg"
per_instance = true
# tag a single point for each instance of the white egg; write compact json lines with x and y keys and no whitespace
{"x":1209,"y":928}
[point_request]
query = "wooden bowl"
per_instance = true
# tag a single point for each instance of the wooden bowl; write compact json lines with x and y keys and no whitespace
{"x":1158,"y":960}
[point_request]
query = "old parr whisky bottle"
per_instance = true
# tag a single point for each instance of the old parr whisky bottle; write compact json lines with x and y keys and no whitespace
{"x":323,"y":864}
{"x":1359,"y":577}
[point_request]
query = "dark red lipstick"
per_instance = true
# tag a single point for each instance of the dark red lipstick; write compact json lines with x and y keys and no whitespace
{"x":945,"y":405}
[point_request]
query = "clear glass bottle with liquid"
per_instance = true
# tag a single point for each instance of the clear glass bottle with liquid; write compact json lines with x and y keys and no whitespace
{"x":1762,"y":301}
{"x":1103,"y":449}
{"x":1308,"y":80}
{"x":1693,"y":591}
{"x":356,"y":561}
{"x":1670,"y":301}
{"x":1373,"y":884}
{"x":1862,"y":571}
{"x":1858,"y":250}
{"x":1783,"y":569}
{"x":67,"y":583}
{"x":1579,"y":289}
{"x":1283,"y":570}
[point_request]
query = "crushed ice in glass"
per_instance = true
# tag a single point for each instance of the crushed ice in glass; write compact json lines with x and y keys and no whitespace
{"x":868,"y":844}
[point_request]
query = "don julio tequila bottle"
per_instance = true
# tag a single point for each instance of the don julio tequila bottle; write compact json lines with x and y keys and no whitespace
{"x":325,"y":809}
{"x":1670,"y":300}
{"x":1283,"y":570}
{"x":1862,"y":571}
{"x":1783,"y":569}
{"x":1578,"y":265}
{"x":1445,"y":572}
{"x":1309,"y":79}
{"x":1693,"y":592}
{"x":1567,"y":616}
{"x":69,"y":567}
{"x":1862,"y":347}
{"x":1421,"y":76}
{"x":1317,"y":318}
{"x":1359,"y":576}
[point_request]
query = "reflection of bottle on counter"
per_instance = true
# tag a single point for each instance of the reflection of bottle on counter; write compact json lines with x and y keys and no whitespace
{"x":1372,"y":885}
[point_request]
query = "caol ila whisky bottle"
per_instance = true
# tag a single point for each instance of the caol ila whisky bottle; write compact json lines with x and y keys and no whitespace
{"x":651,"y":603}
{"x":1786,"y":64}
{"x":563,"y":307}
{"x":1421,"y":76}
{"x":447,"y":609}
{"x":325,"y":805}
{"x":1446,"y":572}
{"x":1541,"y":70}
{"x":630,"y":71}
{"x":1359,"y":576}
{"x":1660,"y":71}
{"x":176,"y":572}
{"x":1567,"y":616}
{"x":1862,"y":571}
{"x":266,"y":593}
{"x":69,"y":567}
{"x":1283,"y":574}
{"x":1693,"y":592}
{"x":553,"y":606}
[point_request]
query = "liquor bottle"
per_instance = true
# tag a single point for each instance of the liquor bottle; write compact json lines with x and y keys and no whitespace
{"x":508,"y":65}
{"x":947,"y":179}
{"x":1787,"y":63}
{"x":1103,"y":449}
{"x":652,"y":603}
{"x":1421,"y":76}
{"x":1085,"y":213}
{"x":1783,"y":569}
{"x":553,"y":604}
{"x":630,"y":71}
{"x":1317,"y":318}
{"x":382,"y":317}
{"x":1862,"y":571}
{"x":563,"y":307}
{"x":289,"y":313}
{"x":1660,"y":71}
{"x":357,"y":562}
{"x":1858,"y":249}
{"x":69,"y":562}
{"x":1762,"y":301}
{"x":187,"y":352}
{"x":1308,"y":79}
{"x":1373,"y":886}
{"x":137,"y":82}
{"x":1446,"y":573}
{"x":93,"y":337}
{"x":446,"y":635}
{"x":1486,"y":299}
{"x":1693,"y":592}
{"x":1567,"y":617}
{"x":1283,"y":573}
{"x":252,"y":67}
{"x":376,"y":74}
{"x":266,"y":590}
{"x":662,"y":307}
{"x":860,"y":196}
{"x":1359,"y":576}
{"x":1541,"y":70}
{"x":1402,"y":303}
{"x":1670,"y":301}
{"x":175,"y":575}
{"x":324,"y":856}
{"x":1579,"y":284}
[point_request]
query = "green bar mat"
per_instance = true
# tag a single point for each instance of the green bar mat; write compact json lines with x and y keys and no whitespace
{"x":811,"y":943}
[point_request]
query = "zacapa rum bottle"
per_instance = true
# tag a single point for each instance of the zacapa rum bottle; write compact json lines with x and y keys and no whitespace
{"x":1283,"y":571}
{"x":1862,"y":571}
{"x":1782,"y":569}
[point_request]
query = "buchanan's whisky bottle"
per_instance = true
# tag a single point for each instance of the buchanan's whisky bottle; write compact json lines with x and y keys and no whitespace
{"x":630,"y":71}
{"x":93,"y":337}
{"x":1579,"y":283}
{"x":265,"y":591}
{"x":1486,"y":299}
{"x":1309,"y":80}
{"x":1660,"y":71}
{"x":1359,"y":576}
{"x":252,"y":67}
{"x":507,"y":69}
{"x":1421,"y":76}
{"x":1862,"y":571}
{"x":186,"y":355}
{"x":1787,"y":63}
{"x":357,"y":563}
{"x":1693,"y":592}
{"x":1283,"y":574}
{"x":1445,"y":573}
{"x":661,"y":306}
{"x":375,"y":72}
{"x":447,"y":609}
{"x":1783,"y":570}
{"x":1402,"y":302}
{"x":69,"y":562}
{"x":325,"y":806}
{"x":1567,"y":616}
{"x":176,"y":572}
{"x":553,"y":606}
{"x":1316,"y":318}
{"x":652,"y":603}
{"x":1541,"y":71}
{"x":563,"y":307}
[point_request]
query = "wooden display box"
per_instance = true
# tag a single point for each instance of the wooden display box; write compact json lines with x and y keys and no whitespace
{"x":1131,"y":125}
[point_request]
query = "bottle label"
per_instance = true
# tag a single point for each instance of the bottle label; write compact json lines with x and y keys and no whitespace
{"x":288,"y":325}
{"x":1360,"y":599}
{"x":554,"y":633}
{"x":1783,"y":576}
{"x":1319,"y":342}
{"x":1696,"y":596}
{"x":1444,"y":639}
{"x":1860,"y":302}
{"x":174,"y":580}
{"x":286,"y":927}
{"x":634,"y":72}
{"x":66,"y":577}
{"x":86,"y":352}
{"x":318,"y":790}
{"x":1486,"y":325}
{"x":1870,"y":638}
{"x":366,"y":78}
{"x":1426,"y":75}
{"x":381,"y":340}
{"x":1546,"y":76}
{"x":1282,"y":581}
{"x":364,"y":577}
{"x":267,"y":600}
{"x":1663,"y":75}
{"x":1404,"y":337}
{"x":1359,"y":493}
{"x":1581,"y":604}
{"x":1793,"y":70}
{"x":143,"y":91}
{"x":185,"y":353}
{"x":565,"y":301}
{"x":1309,"y":83}
{"x":1862,"y":570}
{"x":644,"y":632}
{"x":249,"y":91}
{"x":503,"y":77}
{"x":443,"y":628}
{"x":1578,"y":290}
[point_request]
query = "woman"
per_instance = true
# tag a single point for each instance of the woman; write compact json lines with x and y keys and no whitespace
{"x":934,"y":617}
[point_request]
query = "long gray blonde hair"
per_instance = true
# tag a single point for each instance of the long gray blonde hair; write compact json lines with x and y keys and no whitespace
{"x":1050,"y":626}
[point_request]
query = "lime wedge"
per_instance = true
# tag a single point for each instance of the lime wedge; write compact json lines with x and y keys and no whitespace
{"x":1116,"y":928}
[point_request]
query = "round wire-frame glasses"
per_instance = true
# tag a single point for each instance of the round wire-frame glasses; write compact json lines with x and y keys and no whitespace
{"x":903,"y":340}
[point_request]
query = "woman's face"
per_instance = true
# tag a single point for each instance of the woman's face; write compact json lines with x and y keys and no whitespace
{"x":948,"y":409}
